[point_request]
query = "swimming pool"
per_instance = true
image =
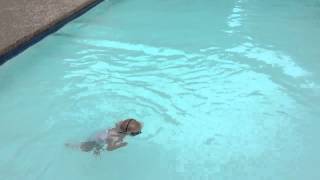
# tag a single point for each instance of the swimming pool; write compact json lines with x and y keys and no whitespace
{"x":226,"y":90}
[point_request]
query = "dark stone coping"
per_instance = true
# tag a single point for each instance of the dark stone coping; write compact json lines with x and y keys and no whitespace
{"x":11,"y":48}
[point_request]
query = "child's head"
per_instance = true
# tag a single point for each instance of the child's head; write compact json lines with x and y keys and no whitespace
{"x":130,"y":126}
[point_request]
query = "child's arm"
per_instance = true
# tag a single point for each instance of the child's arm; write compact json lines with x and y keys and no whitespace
{"x":116,"y":145}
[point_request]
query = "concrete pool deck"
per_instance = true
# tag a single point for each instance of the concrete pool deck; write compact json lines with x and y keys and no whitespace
{"x":24,"y":22}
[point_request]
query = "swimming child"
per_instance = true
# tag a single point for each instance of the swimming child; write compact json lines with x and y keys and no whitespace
{"x":113,"y":137}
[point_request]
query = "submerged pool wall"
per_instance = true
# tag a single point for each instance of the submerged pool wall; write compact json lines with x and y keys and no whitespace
{"x":25,"y":22}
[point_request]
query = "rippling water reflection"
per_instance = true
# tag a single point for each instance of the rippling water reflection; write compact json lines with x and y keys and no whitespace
{"x":220,"y":98}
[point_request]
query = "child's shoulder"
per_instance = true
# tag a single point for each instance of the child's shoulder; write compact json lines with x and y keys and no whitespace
{"x":113,"y":131}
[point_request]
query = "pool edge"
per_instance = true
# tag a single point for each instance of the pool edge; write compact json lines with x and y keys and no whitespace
{"x":32,"y":38}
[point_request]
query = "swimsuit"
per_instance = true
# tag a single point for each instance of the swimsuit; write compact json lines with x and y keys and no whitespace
{"x":104,"y":136}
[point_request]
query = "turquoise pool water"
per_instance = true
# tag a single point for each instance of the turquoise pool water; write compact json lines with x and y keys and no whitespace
{"x":227,"y":90}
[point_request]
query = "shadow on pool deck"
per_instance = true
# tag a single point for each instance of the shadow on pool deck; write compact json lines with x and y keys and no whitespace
{"x":25,"y":22}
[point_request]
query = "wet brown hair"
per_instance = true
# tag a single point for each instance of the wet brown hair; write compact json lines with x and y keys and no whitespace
{"x":130,"y":125}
